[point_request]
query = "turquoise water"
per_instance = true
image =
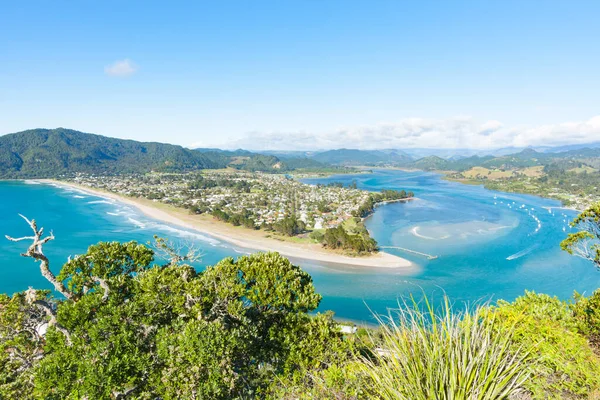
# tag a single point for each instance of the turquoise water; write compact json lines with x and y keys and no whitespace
{"x":489,"y":245}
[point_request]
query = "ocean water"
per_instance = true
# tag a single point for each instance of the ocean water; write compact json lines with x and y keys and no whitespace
{"x":489,"y":245}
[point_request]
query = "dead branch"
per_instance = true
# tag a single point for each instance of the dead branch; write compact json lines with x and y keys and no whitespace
{"x":104,"y":286}
{"x":31,"y":298}
{"x":176,"y":252}
{"x":35,"y":251}
{"x":128,"y":392}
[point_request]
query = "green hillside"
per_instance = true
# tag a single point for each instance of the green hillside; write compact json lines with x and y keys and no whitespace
{"x":42,"y":153}
{"x":362,"y":157}
{"x":431,"y":163}
{"x":249,"y":161}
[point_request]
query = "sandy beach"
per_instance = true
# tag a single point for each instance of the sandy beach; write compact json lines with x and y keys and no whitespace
{"x":243,"y":237}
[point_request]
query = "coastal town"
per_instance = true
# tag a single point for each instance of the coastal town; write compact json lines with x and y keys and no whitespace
{"x":267,"y":198}
{"x":330,"y":214}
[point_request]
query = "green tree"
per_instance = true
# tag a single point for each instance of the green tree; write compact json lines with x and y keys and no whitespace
{"x":586,"y":242}
{"x":126,"y":328}
{"x":289,"y":226}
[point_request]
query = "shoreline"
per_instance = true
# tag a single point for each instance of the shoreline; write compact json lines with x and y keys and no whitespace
{"x":474,"y":182}
{"x":243,"y":237}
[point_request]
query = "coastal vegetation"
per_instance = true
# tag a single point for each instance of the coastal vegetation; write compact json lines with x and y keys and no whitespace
{"x":129,"y":321}
{"x":356,"y":240}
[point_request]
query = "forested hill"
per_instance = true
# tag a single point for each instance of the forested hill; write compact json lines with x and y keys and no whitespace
{"x":43,"y":153}
{"x":586,"y":157}
{"x":362,"y":157}
{"x":249,"y":161}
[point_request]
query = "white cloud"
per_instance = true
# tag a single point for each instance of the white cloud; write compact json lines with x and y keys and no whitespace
{"x":489,"y":127}
{"x":121,"y":68}
{"x":457,"y":132}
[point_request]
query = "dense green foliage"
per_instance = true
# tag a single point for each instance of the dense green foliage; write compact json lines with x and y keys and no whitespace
{"x":241,"y":329}
{"x":563,"y":365}
{"x":289,"y":226}
{"x":359,"y":242}
{"x":585,"y":242}
{"x":43,"y":153}
{"x":385,"y":195}
{"x":586,"y":314}
{"x":165,"y":331}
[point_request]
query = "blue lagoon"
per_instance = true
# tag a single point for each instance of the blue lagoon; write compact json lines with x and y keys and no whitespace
{"x":487,"y":245}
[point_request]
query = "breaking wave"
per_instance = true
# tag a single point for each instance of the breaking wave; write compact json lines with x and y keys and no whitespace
{"x":101,"y":202}
{"x":184,"y":233}
{"x":137,"y":223}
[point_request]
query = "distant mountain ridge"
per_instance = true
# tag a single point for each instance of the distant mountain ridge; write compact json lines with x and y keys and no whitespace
{"x":350,"y":157}
{"x":520,"y":158}
{"x":43,"y":153}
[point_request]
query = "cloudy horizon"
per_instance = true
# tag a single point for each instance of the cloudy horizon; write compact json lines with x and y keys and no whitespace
{"x":452,"y":133}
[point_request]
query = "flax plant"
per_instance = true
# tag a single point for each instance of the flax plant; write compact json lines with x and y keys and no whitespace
{"x":444,"y":355}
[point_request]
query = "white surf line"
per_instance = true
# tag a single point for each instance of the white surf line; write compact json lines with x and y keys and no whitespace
{"x":429,"y":256}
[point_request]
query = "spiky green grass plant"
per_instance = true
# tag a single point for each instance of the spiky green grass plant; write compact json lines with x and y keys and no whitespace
{"x":445,"y":355}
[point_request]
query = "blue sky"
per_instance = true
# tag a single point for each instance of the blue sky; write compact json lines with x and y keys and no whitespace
{"x":306,"y":74}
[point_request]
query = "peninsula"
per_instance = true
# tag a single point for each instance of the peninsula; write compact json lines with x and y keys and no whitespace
{"x":303,"y":247}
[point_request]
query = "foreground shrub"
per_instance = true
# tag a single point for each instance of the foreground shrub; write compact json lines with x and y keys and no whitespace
{"x":586,"y":312}
{"x":337,"y":382}
{"x":444,"y":355}
{"x":562,"y":366}
{"x":128,"y":329}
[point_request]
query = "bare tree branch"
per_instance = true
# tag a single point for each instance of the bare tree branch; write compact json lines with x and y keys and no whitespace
{"x":19,"y":239}
{"x":125,"y":394}
{"x":104,"y":286}
{"x":36,"y":252}
{"x":31,"y":298}
{"x":176,"y":252}
{"x":128,"y":392}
